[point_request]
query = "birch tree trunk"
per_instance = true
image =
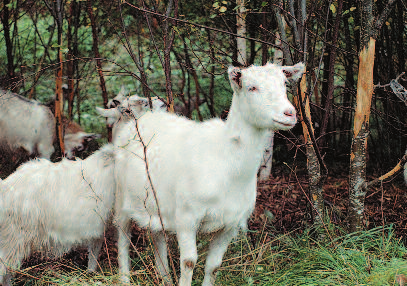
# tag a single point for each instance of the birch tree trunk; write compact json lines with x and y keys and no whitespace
{"x":267,"y":162}
{"x":357,"y":176}
{"x":241,"y":31}
{"x":316,"y":180}
{"x":169,"y":35}
{"x":317,"y":171}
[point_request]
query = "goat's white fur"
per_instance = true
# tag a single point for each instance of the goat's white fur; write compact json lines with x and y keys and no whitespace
{"x":204,"y":174}
{"x":26,"y":123}
{"x":118,"y":117}
{"x":53,"y":207}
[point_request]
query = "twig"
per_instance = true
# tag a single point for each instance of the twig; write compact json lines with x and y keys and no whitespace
{"x":203,"y":26}
{"x":389,"y":174}
{"x":154,"y":192}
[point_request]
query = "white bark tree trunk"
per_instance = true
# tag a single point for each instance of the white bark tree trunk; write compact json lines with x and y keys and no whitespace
{"x":241,"y":31}
{"x":266,"y":164}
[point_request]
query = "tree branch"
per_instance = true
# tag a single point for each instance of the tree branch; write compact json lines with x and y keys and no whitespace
{"x":389,"y":174}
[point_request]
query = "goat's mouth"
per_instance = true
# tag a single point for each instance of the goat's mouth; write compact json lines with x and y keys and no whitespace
{"x":290,"y":124}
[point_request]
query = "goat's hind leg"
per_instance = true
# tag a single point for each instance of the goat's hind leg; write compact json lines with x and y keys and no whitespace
{"x":217,"y":249}
{"x":93,"y":253}
{"x":5,"y":274}
{"x":123,"y":244}
{"x":5,"y":280}
{"x":160,"y":254}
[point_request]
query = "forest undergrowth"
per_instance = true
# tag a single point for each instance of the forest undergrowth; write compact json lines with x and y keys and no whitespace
{"x":280,"y":247}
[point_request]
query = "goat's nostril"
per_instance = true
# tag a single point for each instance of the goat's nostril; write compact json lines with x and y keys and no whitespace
{"x":289,"y":112}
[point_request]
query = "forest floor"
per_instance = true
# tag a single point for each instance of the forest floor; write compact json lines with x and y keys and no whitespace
{"x":286,"y":196}
{"x":282,"y":208}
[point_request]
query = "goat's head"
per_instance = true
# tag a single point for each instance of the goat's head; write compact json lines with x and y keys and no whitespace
{"x":119,"y":98}
{"x":133,"y":104}
{"x":77,"y":142}
{"x":262,"y":96}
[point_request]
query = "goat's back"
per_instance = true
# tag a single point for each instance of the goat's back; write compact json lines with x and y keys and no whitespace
{"x":58,"y":203}
{"x":25,"y":123}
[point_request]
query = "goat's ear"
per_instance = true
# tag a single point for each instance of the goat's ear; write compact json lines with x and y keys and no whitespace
{"x":86,"y":137}
{"x":141,"y":104}
{"x":110,"y":113}
{"x":123,"y":91}
{"x":235,"y":77}
{"x":294,"y":72}
{"x":115,"y":103}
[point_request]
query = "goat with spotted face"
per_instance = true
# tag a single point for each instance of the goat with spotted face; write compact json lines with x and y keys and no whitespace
{"x":204,"y":174}
{"x":118,"y":115}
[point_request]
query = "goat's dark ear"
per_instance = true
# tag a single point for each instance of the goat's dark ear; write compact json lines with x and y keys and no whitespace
{"x":115,"y":103}
{"x":235,"y":77}
{"x":293,"y":72}
{"x":90,"y":137}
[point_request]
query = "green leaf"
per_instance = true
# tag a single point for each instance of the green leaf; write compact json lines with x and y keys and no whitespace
{"x":216,"y":5}
{"x":352,"y":9}
{"x":212,"y":16}
{"x":264,"y":4}
{"x":269,"y":215}
{"x":332,"y":8}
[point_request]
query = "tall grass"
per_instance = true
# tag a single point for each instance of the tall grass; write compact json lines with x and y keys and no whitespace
{"x":373,"y":257}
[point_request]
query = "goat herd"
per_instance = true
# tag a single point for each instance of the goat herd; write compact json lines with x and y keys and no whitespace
{"x":162,"y":171}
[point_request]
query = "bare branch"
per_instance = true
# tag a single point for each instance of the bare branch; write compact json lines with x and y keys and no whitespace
{"x":152,"y":187}
{"x":389,"y":174}
{"x":203,"y":26}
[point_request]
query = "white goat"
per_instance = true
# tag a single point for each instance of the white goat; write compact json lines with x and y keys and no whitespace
{"x":119,"y":115}
{"x":53,"y":207}
{"x":26,"y":123}
{"x":76,"y":140}
{"x":204,"y":174}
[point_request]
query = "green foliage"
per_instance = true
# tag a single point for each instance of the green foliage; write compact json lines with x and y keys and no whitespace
{"x":373,"y":257}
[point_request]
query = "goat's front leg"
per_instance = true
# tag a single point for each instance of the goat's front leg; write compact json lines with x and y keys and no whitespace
{"x":7,"y":268}
{"x":6,"y":279}
{"x":217,"y":249}
{"x":123,"y":245}
{"x":160,"y":254}
{"x":93,"y":253}
{"x":188,"y":255}
{"x":5,"y":275}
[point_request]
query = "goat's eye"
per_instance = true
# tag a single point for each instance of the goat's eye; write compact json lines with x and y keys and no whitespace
{"x":252,"y":88}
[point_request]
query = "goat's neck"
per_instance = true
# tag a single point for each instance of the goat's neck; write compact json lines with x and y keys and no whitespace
{"x":242,"y":133}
